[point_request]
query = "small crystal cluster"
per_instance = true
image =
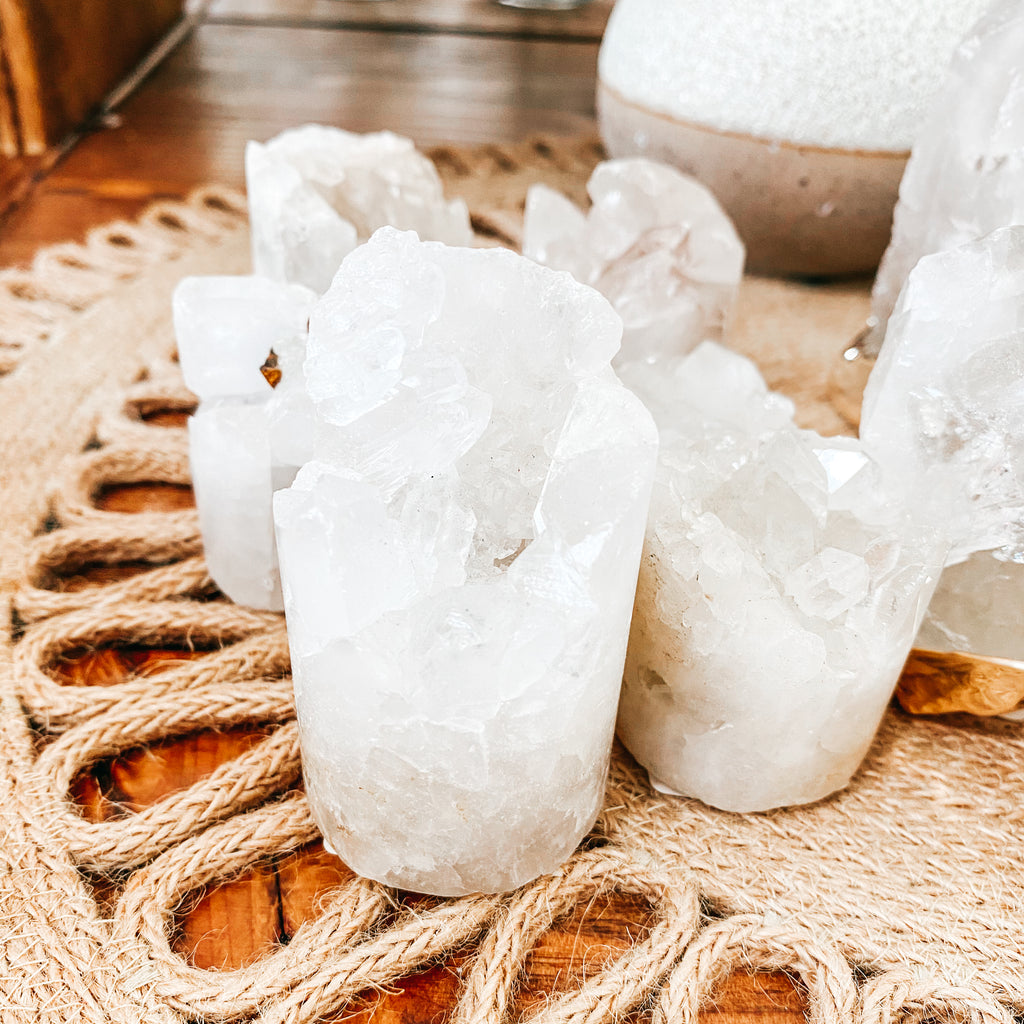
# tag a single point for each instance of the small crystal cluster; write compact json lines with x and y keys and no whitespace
{"x":944,"y":415}
{"x":944,"y":406}
{"x":655,"y":243}
{"x":246,"y":439}
{"x":965,"y":177}
{"x":459,"y":562}
{"x":779,"y":594}
{"x":316,"y":192}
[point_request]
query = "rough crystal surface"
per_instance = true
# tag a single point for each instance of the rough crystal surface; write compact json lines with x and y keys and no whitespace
{"x":459,"y":562}
{"x":315,"y":192}
{"x":655,"y":243}
{"x":965,"y":176}
{"x":944,"y":407}
{"x":246,"y":439}
{"x":944,"y":414}
{"x":779,"y":593}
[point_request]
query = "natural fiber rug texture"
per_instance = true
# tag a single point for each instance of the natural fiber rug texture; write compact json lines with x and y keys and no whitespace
{"x":901,"y":898}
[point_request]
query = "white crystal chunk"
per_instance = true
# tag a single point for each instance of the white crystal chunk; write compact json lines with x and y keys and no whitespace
{"x":965,"y":177}
{"x":944,"y":406}
{"x":459,"y":562}
{"x":226,"y":326}
{"x":944,"y":414}
{"x":315,"y":192}
{"x":779,"y":594}
{"x":246,"y":439}
{"x":229,"y":453}
{"x":655,"y":243}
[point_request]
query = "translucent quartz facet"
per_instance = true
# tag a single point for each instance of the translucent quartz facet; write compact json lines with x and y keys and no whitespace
{"x":944,"y":415}
{"x":655,"y":243}
{"x":246,"y":439}
{"x":315,"y":192}
{"x":944,"y":407}
{"x":779,"y":594}
{"x":965,"y":177}
{"x":459,"y":563}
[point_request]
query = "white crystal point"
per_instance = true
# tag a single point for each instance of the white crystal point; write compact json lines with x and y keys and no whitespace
{"x":459,"y":562}
{"x":315,"y":192}
{"x":226,"y":326}
{"x":944,"y":406}
{"x":779,"y":594}
{"x":229,"y":451}
{"x":965,"y":176}
{"x":657,"y":245}
{"x":246,"y":438}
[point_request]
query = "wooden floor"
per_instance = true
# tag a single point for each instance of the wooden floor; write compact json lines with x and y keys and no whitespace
{"x":445,"y":70}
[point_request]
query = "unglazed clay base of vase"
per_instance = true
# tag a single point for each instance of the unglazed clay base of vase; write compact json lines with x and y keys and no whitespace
{"x":801,"y":210}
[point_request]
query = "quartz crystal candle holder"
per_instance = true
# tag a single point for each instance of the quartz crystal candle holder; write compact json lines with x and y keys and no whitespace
{"x":779,"y":594}
{"x":655,"y":243}
{"x":944,"y":416}
{"x":316,"y":192}
{"x":459,"y":563}
{"x":247,"y":438}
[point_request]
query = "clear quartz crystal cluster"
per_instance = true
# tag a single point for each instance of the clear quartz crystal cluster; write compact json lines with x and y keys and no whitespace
{"x":965,"y":177}
{"x":944,"y":406}
{"x":316,"y":192}
{"x":779,"y":593}
{"x":944,"y":415}
{"x":246,"y":439}
{"x":459,"y":562}
{"x":655,"y":243}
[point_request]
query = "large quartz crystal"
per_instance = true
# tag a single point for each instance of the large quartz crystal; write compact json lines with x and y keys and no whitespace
{"x":965,"y":177}
{"x":944,"y":406}
{"x":779,"y":594}
{"x":459,"y":562}
{"x":655,"y":243}
{"x":246,"y":439}
{"x":944,"y":415}
{"x":315,"y":192}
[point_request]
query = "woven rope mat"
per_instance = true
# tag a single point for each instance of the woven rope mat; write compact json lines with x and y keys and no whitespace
{"x":899,"y":899}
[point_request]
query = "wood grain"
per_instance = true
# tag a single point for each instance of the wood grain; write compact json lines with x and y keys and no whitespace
{"x":464,"y":17}
{"x":64,"y":56}
{"x":10,"y":129}
{"x":190,"y":122}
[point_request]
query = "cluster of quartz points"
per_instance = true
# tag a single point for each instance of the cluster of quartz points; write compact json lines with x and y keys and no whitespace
{"x":780,"y":590}
{"x":460,"y":558}
{"x":944,"y":407}
{"x":246,"y":439}
{"x":315,"y":193}
{"x":462,"y":486}
{"x":655,"y":243}
{"x":944,"y":411}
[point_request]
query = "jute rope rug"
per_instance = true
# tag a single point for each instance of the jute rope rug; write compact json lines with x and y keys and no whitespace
{"x":899,"y":899}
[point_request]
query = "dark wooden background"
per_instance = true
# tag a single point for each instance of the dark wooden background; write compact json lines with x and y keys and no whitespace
{"x":461,"y":71}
